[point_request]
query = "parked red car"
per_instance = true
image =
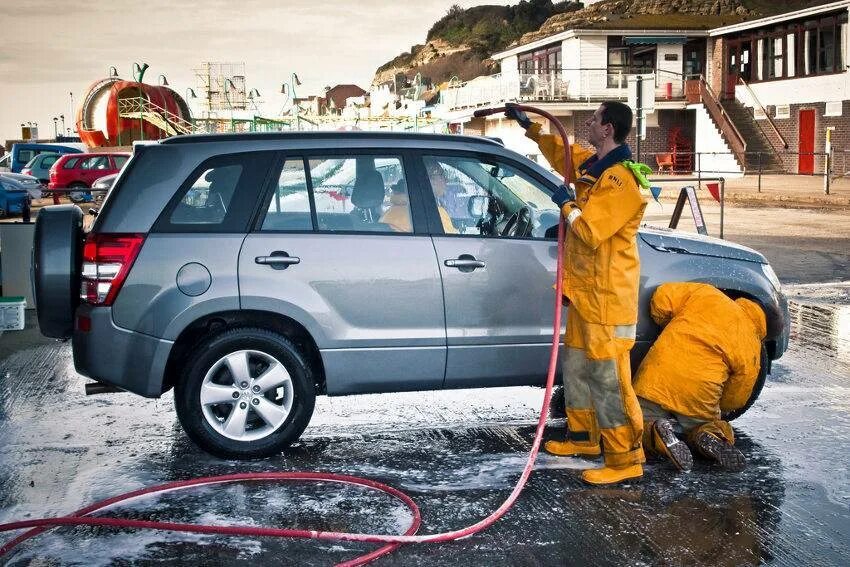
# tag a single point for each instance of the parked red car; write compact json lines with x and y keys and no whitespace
{"x":79,"y":171}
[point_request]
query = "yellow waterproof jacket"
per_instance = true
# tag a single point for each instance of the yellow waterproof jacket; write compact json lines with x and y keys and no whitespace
{"x":601,"y":263}
{"x":707,"y":358}
{"x":398,"y":215}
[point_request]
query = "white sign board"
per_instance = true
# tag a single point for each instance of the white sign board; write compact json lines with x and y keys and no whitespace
{"x":647,"y":85}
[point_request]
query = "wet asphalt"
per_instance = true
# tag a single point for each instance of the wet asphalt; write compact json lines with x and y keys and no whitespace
{"x":458,"y":454}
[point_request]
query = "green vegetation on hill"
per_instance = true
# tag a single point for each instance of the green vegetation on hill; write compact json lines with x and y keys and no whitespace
{"x":488,"y":29}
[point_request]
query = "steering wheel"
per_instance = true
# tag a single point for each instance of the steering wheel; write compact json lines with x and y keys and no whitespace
{"x":518,"y":224}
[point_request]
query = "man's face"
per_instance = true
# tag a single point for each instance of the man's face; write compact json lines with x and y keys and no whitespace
{"x":598,"y":132}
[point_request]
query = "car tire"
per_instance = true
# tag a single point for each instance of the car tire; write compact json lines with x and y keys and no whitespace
{"x":757,"y":388}
{"x":79,"y":195}
{"x":269,"y":423}
{"x":56,"y":263}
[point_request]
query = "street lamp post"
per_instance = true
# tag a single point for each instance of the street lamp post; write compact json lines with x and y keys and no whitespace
{"x":139,"y":73}
{"x":62,"y":119}
{"x":228,"y":84}
{"x":293,"y":81}
{"x":55,"y":128}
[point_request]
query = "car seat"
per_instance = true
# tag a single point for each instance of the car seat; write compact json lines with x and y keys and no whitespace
{"x":367,"y":196}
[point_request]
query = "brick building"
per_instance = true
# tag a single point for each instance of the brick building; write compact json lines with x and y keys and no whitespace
{"x":727,"y":99}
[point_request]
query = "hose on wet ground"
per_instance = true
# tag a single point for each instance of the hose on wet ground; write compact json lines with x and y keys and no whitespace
{"x":82,"y":517}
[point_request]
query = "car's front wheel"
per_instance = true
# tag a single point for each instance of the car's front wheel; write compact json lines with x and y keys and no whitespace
{"x":247,"y":393}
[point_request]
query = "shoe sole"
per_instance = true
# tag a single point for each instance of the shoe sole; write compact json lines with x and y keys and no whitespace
{"x":674,"y":449}
{"x":634,"y":478}
{"x":589,"y":455}
{"x":726,"y":455}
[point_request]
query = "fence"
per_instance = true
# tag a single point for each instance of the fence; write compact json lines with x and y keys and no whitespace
{"x":759,"y":164}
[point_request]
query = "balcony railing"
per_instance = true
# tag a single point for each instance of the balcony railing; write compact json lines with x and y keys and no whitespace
{"x":565,"y":85}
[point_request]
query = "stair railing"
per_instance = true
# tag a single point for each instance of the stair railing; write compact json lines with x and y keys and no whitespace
{"x":764,"y":112}
{"x":727,"y":127}
{"x":146,"y":109}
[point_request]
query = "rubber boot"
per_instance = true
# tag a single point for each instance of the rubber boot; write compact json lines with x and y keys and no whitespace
{"x":611,"y":475}
{"x":665,"y":443}
{"x":571,"y":449}
{"x":721,"y":451}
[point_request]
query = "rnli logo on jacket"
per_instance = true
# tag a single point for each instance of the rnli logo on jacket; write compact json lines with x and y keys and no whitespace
{"x":615,"y":180}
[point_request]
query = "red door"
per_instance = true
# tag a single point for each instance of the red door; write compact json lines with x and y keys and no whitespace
{"x":806,"y":161}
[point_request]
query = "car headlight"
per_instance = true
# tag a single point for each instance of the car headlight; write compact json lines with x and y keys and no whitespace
{"x":771,"y":276}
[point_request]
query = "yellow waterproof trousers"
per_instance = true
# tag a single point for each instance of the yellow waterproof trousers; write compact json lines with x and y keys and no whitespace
{"x":600,"y":400}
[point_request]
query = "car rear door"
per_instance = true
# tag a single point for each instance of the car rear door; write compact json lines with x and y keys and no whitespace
{"x":327,"y":253}
{"x":498,"y":288}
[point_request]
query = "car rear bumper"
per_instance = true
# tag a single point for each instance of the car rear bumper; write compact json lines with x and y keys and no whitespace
{"x":129,"y":360}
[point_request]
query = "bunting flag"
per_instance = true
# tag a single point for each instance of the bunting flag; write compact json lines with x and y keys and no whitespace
{"x":655,"y":191}
{"x":714,"y":189}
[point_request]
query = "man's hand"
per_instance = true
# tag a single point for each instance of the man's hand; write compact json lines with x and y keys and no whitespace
{"x":512,"y":112}
{"x":563,"y":194}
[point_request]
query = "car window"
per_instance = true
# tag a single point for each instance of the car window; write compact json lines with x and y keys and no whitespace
{"x":25,"y":155}
{"x":120,"y":161}
{"x":71,"y":163}
{"x":96,"y":162}
{"x":289,"y":206}
{"x":206,"y":201}
{"x":47,"y":161}
{"x":360,"y":193}
{"x":489,"y":198}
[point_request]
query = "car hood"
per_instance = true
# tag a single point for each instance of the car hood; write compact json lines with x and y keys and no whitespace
{"x":669,"y":240}
{"x":10,"y":185}
{"x":19,"y":177}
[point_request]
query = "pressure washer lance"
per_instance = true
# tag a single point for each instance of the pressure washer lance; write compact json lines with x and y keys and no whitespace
{"x":392,"y":542}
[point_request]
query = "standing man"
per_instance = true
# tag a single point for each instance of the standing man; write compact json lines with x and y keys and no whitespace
{"x":600,"y":281}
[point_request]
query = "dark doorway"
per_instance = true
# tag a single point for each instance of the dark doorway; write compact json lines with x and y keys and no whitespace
{"x":738,"y":64}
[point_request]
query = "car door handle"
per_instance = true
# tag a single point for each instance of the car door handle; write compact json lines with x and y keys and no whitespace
{"x":464,"y":262}
{"x":278,"y":260}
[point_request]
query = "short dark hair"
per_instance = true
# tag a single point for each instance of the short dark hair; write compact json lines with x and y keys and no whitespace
{"x":619,"y":116}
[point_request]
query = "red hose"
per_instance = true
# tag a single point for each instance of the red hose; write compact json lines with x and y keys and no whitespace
{"x":392,"y":542}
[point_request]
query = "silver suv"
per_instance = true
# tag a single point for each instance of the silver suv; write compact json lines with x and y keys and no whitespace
{"x":252,"y":272}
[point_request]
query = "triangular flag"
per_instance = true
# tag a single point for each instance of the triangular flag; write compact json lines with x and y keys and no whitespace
{"x":655,"y":191}
{"x":714,"y":189}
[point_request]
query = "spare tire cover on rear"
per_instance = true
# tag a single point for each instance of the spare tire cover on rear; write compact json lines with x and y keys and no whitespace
{"x":56,"y":264}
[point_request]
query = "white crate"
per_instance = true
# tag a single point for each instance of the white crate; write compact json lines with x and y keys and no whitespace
{"x":12,"y":313}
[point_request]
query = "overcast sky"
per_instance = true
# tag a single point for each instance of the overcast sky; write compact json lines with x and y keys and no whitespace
{"x":51,"y":48}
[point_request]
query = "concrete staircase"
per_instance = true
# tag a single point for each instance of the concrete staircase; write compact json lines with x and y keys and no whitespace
{"x":759,"y":148}
{"x":714,"y":153}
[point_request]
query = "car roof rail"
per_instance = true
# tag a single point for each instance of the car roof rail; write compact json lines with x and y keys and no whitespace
{"x":349,"y":135}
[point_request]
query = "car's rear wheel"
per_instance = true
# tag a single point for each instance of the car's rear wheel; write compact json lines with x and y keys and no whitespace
{"x":79,"y":195}
{"x":56,"y":263}
{"x":248,"y":393}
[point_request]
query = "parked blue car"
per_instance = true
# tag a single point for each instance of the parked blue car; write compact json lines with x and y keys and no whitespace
{"x":13,"y":197}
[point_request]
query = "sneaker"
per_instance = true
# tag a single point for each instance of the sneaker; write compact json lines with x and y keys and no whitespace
{"x":571,"y":449}
{"x":667,"y":444}
{"x":720,"y":451}
{"x":611,"y":475}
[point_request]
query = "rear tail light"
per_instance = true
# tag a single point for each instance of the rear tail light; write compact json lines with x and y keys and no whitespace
{"x":107,"y":259}
{"x":26,"y":171}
